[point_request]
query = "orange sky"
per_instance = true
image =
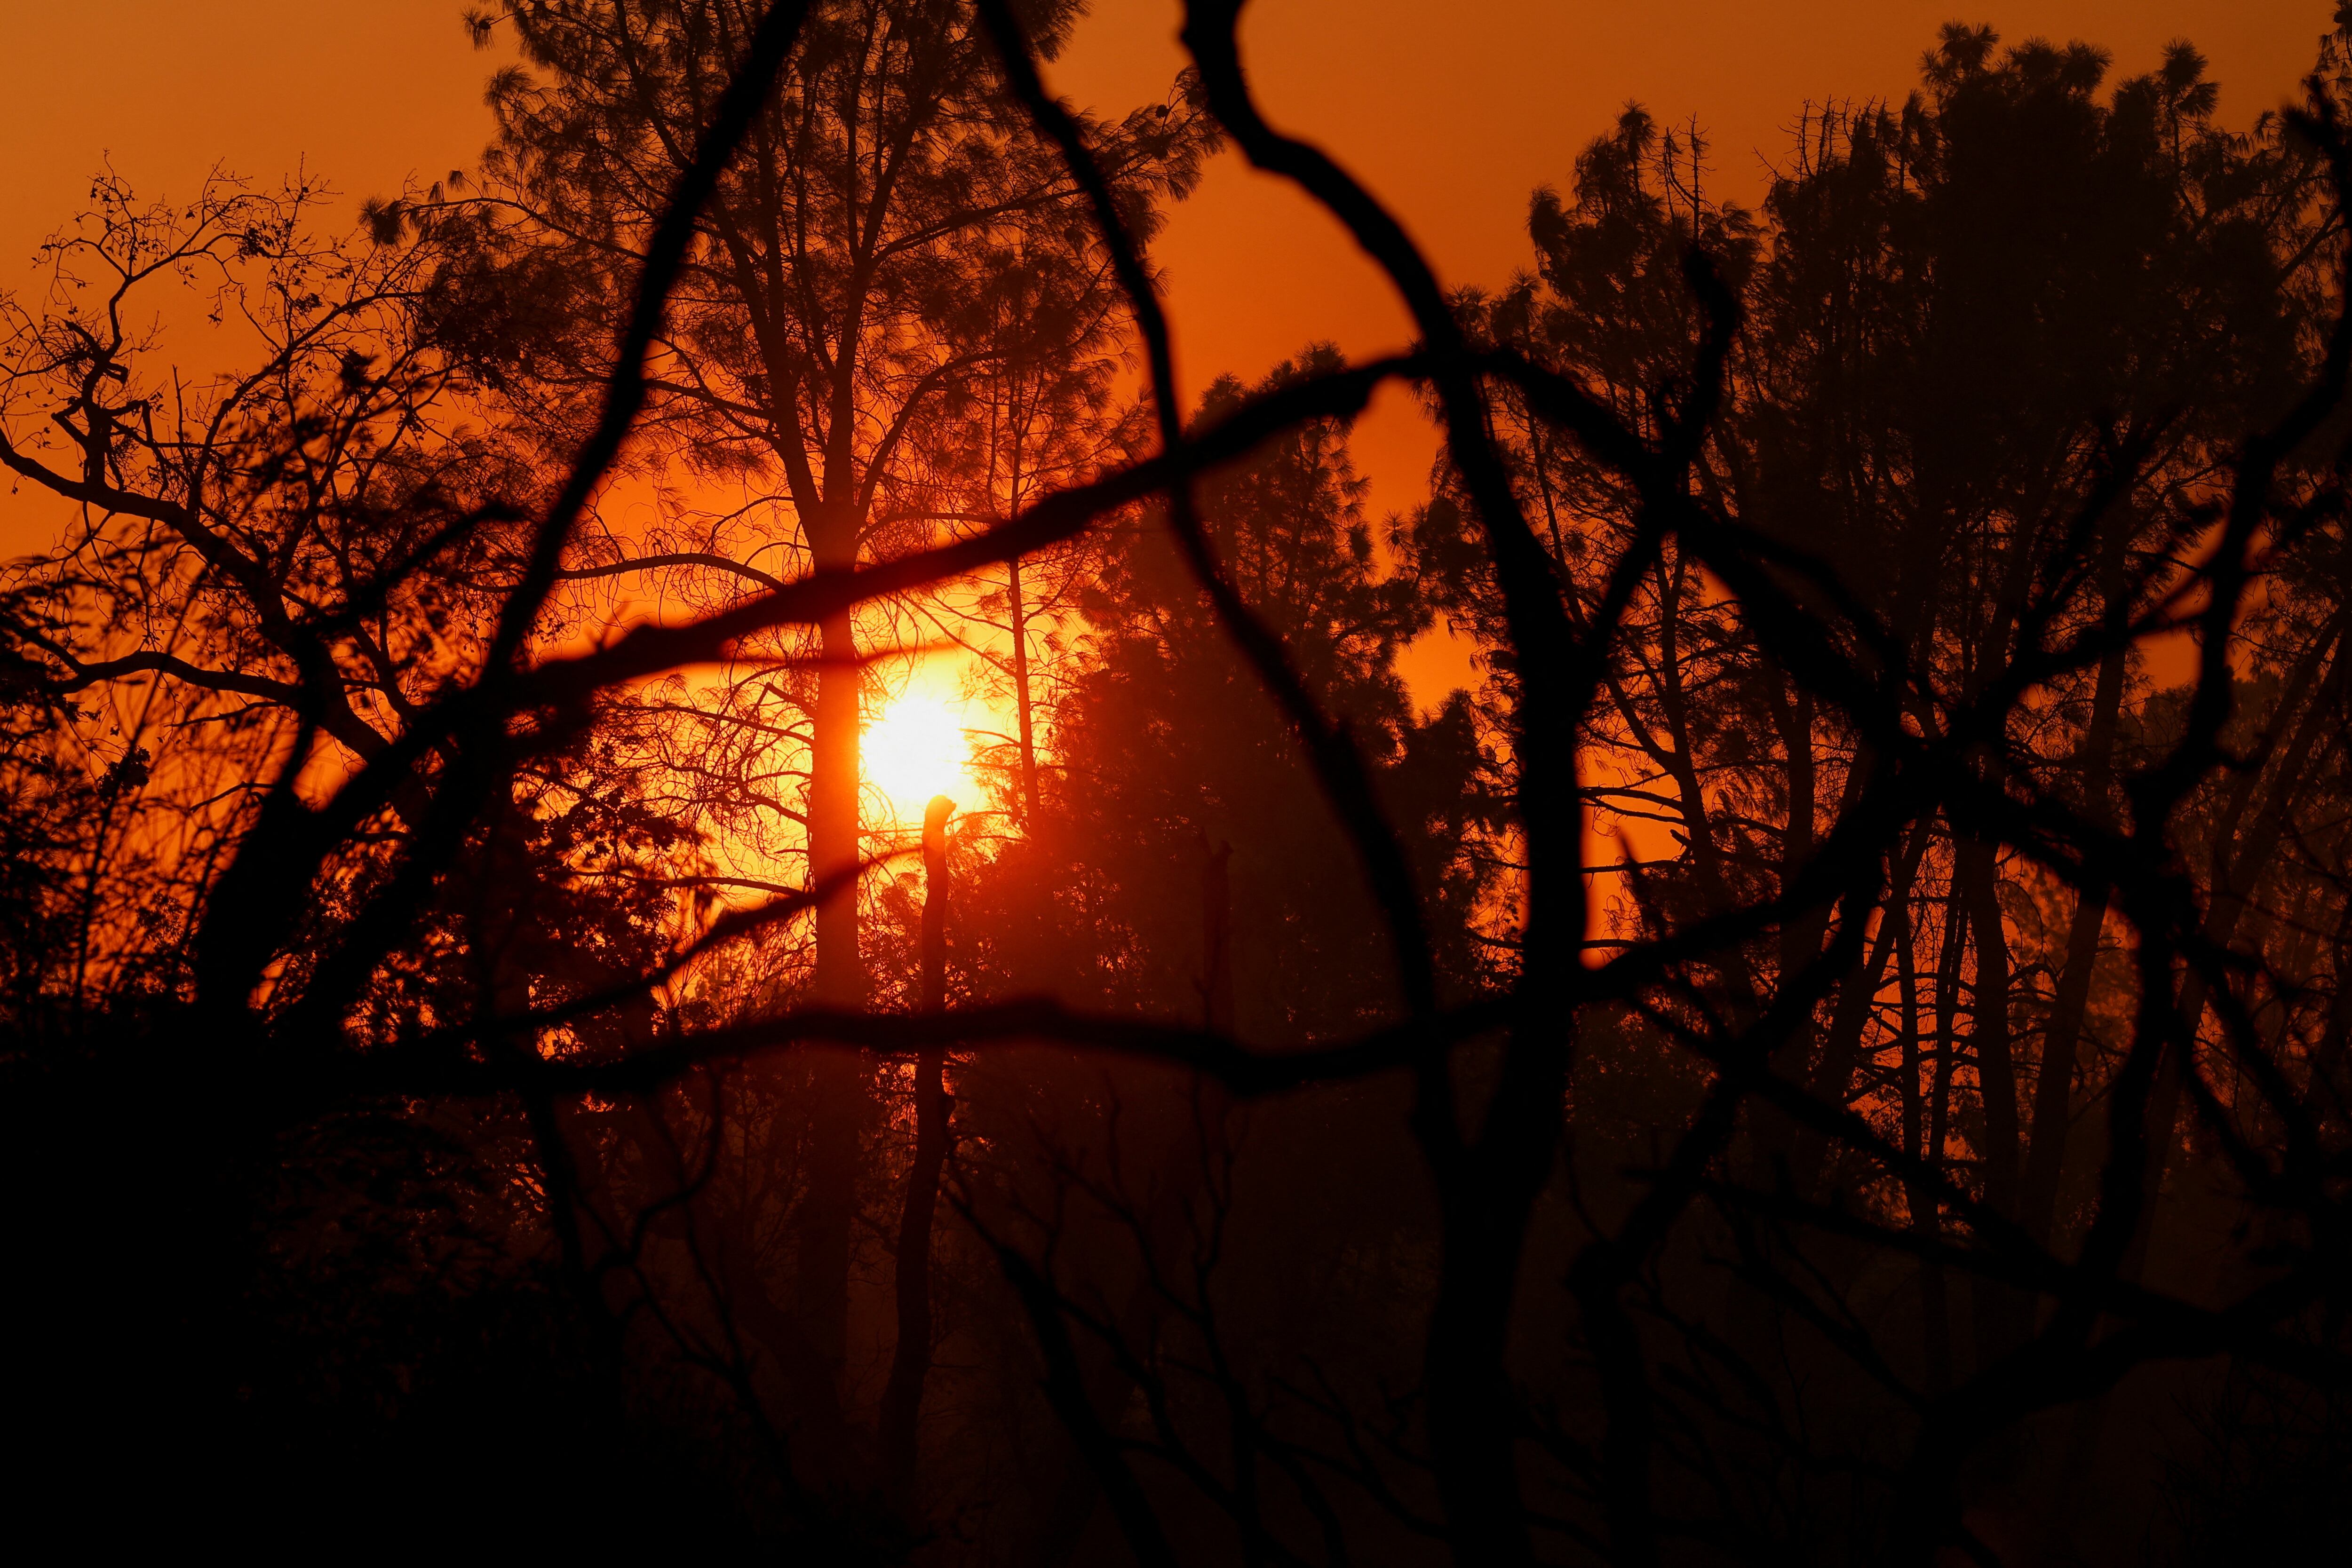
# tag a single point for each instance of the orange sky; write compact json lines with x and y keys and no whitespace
{"x":1453,"y":124}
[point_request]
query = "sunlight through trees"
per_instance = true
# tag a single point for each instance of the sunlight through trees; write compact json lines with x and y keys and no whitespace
{"x":690,"y":873}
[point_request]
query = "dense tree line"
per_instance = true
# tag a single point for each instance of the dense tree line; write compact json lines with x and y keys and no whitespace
{"x":1834,"y":1048}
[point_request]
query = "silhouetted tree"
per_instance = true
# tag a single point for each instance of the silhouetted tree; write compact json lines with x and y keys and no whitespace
{"x":1912,"y":1122}
{"x":830,"y":318}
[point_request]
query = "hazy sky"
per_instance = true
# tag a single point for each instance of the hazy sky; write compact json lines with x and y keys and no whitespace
{"x":1454,"y":122}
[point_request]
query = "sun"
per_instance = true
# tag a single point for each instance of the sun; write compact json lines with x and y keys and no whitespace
{"x":917,"y":749}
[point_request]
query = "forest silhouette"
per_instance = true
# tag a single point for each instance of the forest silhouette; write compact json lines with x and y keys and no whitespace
{"x":1832,"y":1048}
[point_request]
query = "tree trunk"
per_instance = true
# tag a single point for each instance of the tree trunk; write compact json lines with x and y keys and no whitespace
{"x":1936,"y":1311}
{"x":1919,"y":1196}
{"x":1017,"y":612}
{"x":1850,"y":1019}
{"x":2045,"y":1155}
{"x":838,"y":1104}
{"x":910,"y":1363}
{"x":1999,"y":1313}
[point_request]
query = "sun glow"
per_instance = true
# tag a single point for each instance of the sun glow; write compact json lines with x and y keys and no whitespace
{"x":917,"y":749}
